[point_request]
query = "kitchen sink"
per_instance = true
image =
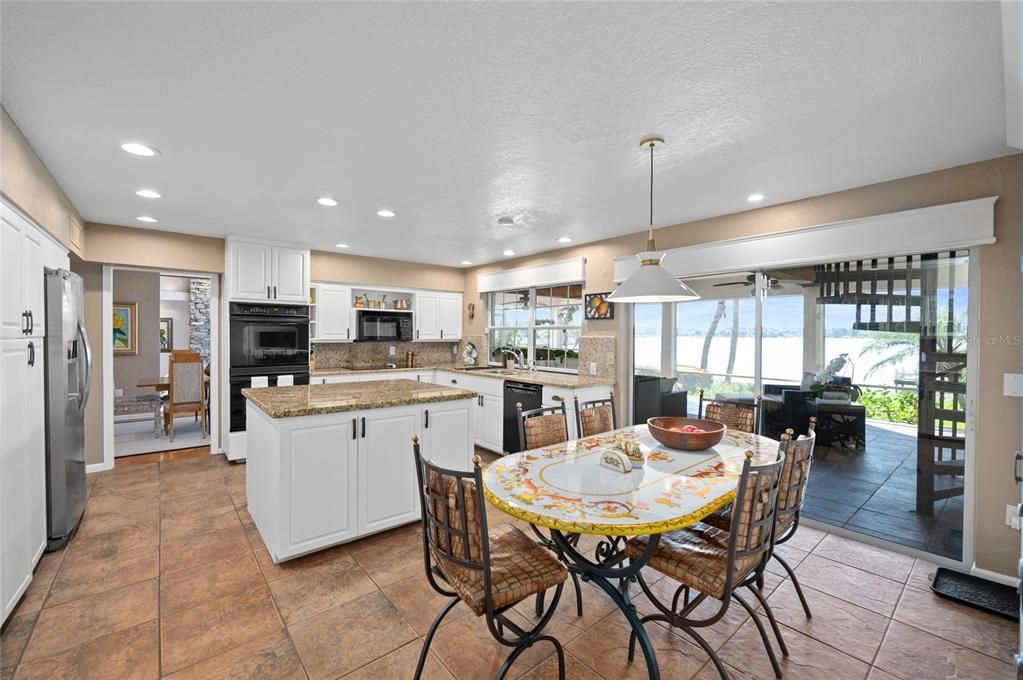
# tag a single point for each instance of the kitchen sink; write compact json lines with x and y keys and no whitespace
{"x":489,"y":369}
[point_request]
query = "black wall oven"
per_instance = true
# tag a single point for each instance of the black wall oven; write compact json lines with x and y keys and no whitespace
{"x":383,"y":325}
{"x":266,"y":341}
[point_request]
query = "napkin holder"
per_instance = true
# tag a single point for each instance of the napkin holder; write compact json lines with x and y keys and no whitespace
{"x":616,"y":460}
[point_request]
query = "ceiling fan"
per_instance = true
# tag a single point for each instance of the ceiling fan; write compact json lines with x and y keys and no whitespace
{"x":773,"y":282}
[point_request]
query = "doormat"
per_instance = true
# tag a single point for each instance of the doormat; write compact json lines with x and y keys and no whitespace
{"x":994,"y":598}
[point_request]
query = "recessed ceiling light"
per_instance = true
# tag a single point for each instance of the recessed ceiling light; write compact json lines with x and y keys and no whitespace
{"x":340,"y":245}
{"x":466,"y":263}
{"x":145,"y":218}
{"x":565,"y":239}
{"x":148,"y":193}
{"x":509,"y":253}
{"x":506,"y":221}
{"x":327,"y":201}
{"x":755,"y":198}
{"x":139,"y":149}
{"x":386,"y":213}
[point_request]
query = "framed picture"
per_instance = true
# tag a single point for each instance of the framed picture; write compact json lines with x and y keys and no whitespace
{"x":126,"y":332}
{"x":166,"y":334}
{"x":598,"y":308}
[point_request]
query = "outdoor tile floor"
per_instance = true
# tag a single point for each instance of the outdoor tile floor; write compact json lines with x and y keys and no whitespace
{"x":168,"y":577}
{"x":874,"y":492}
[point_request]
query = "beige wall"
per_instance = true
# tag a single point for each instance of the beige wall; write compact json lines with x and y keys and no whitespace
{"x":380,"y":272}
{"x":998,"y":417}
{"x":29,"y":185}
{"x":142,"y":288}
{"x":112,"y":244}
{"x":92,"y":276}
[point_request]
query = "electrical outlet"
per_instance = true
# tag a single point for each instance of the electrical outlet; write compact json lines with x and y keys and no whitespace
{"x":391,"y":350}
{"x":1012,"y":516}
{"x":593,"y":368}
{"x":454,"y":349}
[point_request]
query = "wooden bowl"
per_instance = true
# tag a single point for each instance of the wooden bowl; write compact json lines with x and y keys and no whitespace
{"x":660,"y":429}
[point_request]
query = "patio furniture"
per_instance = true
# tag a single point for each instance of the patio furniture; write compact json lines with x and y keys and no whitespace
{"x":563,"y":488}
{"x":185,"y":390}
{"x":140,"y":404}
{"x":654,"y":396}
{"x":541,"y":427}
{"x":785,"y":407}
{"x":595,"y":416}
{"x":718,"y":563}
{"x":795,"y":473}
{"x":842,"y":425}
{"x":734,"y":416}
{"x":490,"y":571}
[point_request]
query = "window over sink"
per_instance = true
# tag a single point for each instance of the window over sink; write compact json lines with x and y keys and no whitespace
{"x":542,"y":324}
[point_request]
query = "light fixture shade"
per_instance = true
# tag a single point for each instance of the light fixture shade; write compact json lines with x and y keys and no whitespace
{"x":652,"y":283}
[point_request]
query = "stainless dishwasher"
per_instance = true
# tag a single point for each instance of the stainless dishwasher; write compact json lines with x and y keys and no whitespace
{"x":527,"y":394}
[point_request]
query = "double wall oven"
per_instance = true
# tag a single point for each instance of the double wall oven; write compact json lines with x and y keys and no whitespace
{"x":266,"y":341}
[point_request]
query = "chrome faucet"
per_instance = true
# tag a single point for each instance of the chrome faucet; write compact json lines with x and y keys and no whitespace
{"x":519,"y":360}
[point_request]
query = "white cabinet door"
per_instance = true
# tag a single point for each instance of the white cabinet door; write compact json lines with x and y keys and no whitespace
{"x":289,"y":277}
{"x":15,"y":474}
{"x":449,"y":308}
{"x":34,"y":424}
{"x":250,"y":271}
{"x":493,"y":423}
{"x":320,"y":471}
{"x":333,"y":304}
{"x":387,"y":475}
{"x":447,"y":433}
{"x":427,"y":316}
{"x":32,"y":258}
{"x":12,"y":307}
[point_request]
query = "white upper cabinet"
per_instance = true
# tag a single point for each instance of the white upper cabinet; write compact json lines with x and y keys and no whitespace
{"x":258,"y":272}
{"x":289,"y":278}
{"x":24,"y":251}
{"x":438,"y":316}
{"x":333,"y":313}
{"x":450,"y":316}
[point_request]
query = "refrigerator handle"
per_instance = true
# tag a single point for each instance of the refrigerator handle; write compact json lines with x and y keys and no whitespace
{"x":87,"y":387}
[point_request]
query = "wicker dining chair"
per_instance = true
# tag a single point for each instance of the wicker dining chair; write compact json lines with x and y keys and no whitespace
{"x":718,"y":563}
{"x":734,"y":416}
{"x":541,"y":427}
{"x":794,"y":475}
{"x":595,"y":416}
{"x":489,"y":570}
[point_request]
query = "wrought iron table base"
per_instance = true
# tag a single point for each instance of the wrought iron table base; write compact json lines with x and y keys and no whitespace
{"x":610,"y":566}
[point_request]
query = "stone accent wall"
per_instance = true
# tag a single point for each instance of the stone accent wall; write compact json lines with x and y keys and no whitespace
{"x":376,"y":354}
{"x":199,"y":317}
{"x":600,"y":349}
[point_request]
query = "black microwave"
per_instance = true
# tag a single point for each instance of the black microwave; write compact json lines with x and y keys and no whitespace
{"x":380,"y":325}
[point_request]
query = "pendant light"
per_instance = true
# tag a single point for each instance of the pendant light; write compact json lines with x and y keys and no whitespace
{"x":652,"y":282}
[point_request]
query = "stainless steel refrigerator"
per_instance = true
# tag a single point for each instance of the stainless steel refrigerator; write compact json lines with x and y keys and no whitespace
{"x":68,"y":374}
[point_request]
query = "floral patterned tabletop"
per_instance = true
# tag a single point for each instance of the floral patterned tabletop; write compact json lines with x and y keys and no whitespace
{"x":565,"y":487}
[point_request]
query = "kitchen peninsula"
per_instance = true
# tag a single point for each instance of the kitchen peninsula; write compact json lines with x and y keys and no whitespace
{"x":329,"y":463}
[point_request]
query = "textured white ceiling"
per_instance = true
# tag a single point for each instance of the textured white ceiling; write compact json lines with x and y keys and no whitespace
{"x":456,"y":114}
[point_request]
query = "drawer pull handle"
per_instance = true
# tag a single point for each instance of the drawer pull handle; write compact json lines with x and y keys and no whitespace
{"x":355,"y":429}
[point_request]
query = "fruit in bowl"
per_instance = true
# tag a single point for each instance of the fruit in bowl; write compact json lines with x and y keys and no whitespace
{"x":686,"y":434}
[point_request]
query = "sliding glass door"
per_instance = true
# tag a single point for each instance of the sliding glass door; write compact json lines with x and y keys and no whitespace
{"x":875,"y":350}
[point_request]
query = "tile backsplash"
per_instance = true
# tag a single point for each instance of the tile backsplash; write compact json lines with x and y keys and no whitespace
{"x":377,"y":354}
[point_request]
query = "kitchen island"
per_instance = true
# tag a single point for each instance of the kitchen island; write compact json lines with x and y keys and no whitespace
{"x":330,"y":463}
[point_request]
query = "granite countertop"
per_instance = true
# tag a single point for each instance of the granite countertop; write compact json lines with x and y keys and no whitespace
{"x":308,"y":400}
{"x":534,"y":377}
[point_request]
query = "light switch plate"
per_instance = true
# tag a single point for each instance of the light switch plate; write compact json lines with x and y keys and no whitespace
{"x":1012,"y":384}
{"x":391,"y":350}
{"x":593,"y":368}
{"x":1012,"y":516}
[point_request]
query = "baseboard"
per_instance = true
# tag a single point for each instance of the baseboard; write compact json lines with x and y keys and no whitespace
{"x":994,"y":576}
{"x":98,"y":467}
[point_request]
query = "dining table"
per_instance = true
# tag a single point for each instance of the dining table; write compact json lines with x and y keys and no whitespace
{"x":565,"y":489}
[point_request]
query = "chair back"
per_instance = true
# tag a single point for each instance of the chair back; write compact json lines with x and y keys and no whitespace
{"x":185,"y":378}
{"x":754,"y":513}
{"x":454,"y":520}
{"x":595,"y":416}
{"x":541,"y":427}
{"x":734,"y":416}
{"x":794,"y":475}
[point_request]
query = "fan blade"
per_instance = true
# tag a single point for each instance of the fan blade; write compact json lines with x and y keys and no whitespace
{"x":733,"y":283}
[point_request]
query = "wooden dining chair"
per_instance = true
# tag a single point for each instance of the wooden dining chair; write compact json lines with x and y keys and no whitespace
{"x":718,"y":563}
{"x":595,"y":416}
{"x":541,"y":427}
{"x":794,"y":475}
{"x":186,"y":392}
{"x":489,"y":570}
{"x":734,"y":416}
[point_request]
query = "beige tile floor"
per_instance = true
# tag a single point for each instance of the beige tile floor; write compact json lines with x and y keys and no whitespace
{"x":168,"y":577}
